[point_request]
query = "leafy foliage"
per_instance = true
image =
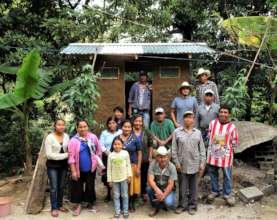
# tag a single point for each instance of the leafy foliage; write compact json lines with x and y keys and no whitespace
{"x":236,"y":96}
{"x":82,"y":96}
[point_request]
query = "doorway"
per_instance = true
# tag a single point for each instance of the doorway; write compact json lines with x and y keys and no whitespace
{"x":130,"y":78}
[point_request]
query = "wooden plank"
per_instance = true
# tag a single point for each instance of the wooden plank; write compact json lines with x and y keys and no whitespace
{"x":36,"y":194}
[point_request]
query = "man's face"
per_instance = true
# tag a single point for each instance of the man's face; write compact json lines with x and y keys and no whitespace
{"x":189,"y":120}
{"x":208,"y":98}
{"x":160,"y":117}
{"x":185,"y":91}
{"x":162,"y":160}
{"x":224,"y":115}
{"x":203,"y":78}
{"x":143,"y":78}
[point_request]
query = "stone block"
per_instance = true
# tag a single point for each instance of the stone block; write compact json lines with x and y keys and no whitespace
{"x":269,"y":176}
{"x":250,"y":194}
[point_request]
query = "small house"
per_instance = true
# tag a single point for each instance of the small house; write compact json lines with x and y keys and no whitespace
{"x":167,"y":64}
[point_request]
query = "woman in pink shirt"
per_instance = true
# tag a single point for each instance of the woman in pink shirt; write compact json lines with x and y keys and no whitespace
{"x":84,"y":151}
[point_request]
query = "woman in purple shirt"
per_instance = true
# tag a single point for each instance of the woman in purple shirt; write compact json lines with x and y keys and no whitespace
{"x":84,"y":149}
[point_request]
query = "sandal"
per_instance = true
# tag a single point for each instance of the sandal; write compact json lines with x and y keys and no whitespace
{"x":63,"y":209}
{"x":77,"y":211}
{"x":55,"y":213}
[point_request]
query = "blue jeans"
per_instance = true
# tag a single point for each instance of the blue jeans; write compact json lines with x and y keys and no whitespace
{"x":168,"y":202}
{"x":227,"y":179}
{"x":56,"y":182}
{"x":120,"y":190}
{"x":145,"y":115}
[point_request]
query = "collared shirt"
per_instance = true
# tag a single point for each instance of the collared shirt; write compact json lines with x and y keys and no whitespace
{"x":162,"y":176}
{"x":183,"y":104}
{"x":106,"y":139}
{"x":223,"y":138}
{"x":188,"y":150}
{"x":163,"y":130}
{"x":140,"y":98}
{"x":206,"y":115}
{"x":202,"y":87}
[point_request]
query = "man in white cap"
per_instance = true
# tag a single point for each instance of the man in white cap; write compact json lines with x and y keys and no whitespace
{"x":162,"y":129}
{"x":203,"y":84}
{"x":183,"y":103}
{"x":207,"y":112}
{"x":161,"y":180}
{"x":188,"y":155}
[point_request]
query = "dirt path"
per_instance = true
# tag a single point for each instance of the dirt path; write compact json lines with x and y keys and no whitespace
{"x":266,"y":209}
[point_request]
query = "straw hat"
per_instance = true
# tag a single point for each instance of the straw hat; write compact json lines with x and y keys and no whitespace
{"x":185,"y":84}
{"x":162,"y":151}
{"x":202,"y":71}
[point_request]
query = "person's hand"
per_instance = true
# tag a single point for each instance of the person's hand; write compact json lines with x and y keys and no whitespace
{"x":138,"y":172}
{"x":129,"y":112}
{"x":129,"y":179}
{"x":150,"y":159}
{"x":110,"y":184}
{"x":201,"y":170}
{"x":159,"y":195}
{"x":163,"y":197}
{"x":74,"y":176}
{"x":162,"y":143}
{"x":178,"y":168}
{"x":177,"y":125}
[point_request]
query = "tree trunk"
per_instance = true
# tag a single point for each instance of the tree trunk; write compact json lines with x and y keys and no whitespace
{"x":26,"y":140}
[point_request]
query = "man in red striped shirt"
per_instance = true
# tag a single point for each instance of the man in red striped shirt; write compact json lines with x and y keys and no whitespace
{"x":223,"y":138}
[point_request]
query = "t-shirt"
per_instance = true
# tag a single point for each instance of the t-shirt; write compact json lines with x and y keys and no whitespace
{"x":223,"y":139}
{"x":85,"y":157}
{"x":183,"y":104}
{"x":162,"y":176}
{"x":119,"y":166}
{"x":132,"y":145}
{"x":162,"y":130}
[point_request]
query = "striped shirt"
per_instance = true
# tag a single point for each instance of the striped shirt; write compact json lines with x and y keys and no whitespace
{"x":222,"y":139}
{"x":201,"y":88}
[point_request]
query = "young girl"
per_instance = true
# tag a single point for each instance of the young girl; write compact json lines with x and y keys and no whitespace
{"x":119,"y":174}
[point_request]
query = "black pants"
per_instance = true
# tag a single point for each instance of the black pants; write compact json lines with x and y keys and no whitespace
{"x":144,"y":173}
{"x":79,"y":193}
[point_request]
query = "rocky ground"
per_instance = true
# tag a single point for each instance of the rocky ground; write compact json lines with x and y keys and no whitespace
{"x":243,"y":176}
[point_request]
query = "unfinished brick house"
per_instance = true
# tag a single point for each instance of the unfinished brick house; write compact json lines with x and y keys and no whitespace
{"x":119,"y":63}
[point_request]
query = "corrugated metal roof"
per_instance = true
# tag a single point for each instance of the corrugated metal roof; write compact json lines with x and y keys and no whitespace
{"x":135,"y":48}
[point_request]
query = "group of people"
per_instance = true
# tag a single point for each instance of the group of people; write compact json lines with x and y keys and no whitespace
{"x":161,"y":162}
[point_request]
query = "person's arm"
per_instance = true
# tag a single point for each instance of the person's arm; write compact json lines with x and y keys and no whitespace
{"x":174,"y":148}
{"x":173,"y":117}
{"x":109,"y":170}
{"x":169,"y":188}
{"x":202,"y":152}
{"x":102,"y":141}
{"x":131,"y":98}
{"x":235,"y":138}
{"x":71,"y":159}
{"x":139,"y":155}
{"x":216,"y":95}
{"x":129,"y":167}
{"x":49,"y":152}
{"x":153,"y":185}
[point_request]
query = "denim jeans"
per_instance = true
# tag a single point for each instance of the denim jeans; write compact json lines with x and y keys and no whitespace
{"x":227,"y":179}
{"x":168,"y":202}
{"x":120,"y":193}
{"x":145,"y":115}
{"x":57,"y":178}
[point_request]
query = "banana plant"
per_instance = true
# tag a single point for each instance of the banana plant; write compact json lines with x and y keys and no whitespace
{"x":31,"y":84}
{"x":258,"y":32}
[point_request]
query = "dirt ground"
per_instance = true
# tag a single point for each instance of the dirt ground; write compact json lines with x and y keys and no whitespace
{"x":264,"y":209}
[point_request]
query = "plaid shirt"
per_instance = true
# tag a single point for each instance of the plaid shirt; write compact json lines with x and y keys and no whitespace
{"x":201,"y":88}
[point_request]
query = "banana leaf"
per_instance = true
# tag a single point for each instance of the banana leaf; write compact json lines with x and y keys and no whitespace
{"x":10,"y":101}
{"x":250,"y":30}
{"x":28,"y":77}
